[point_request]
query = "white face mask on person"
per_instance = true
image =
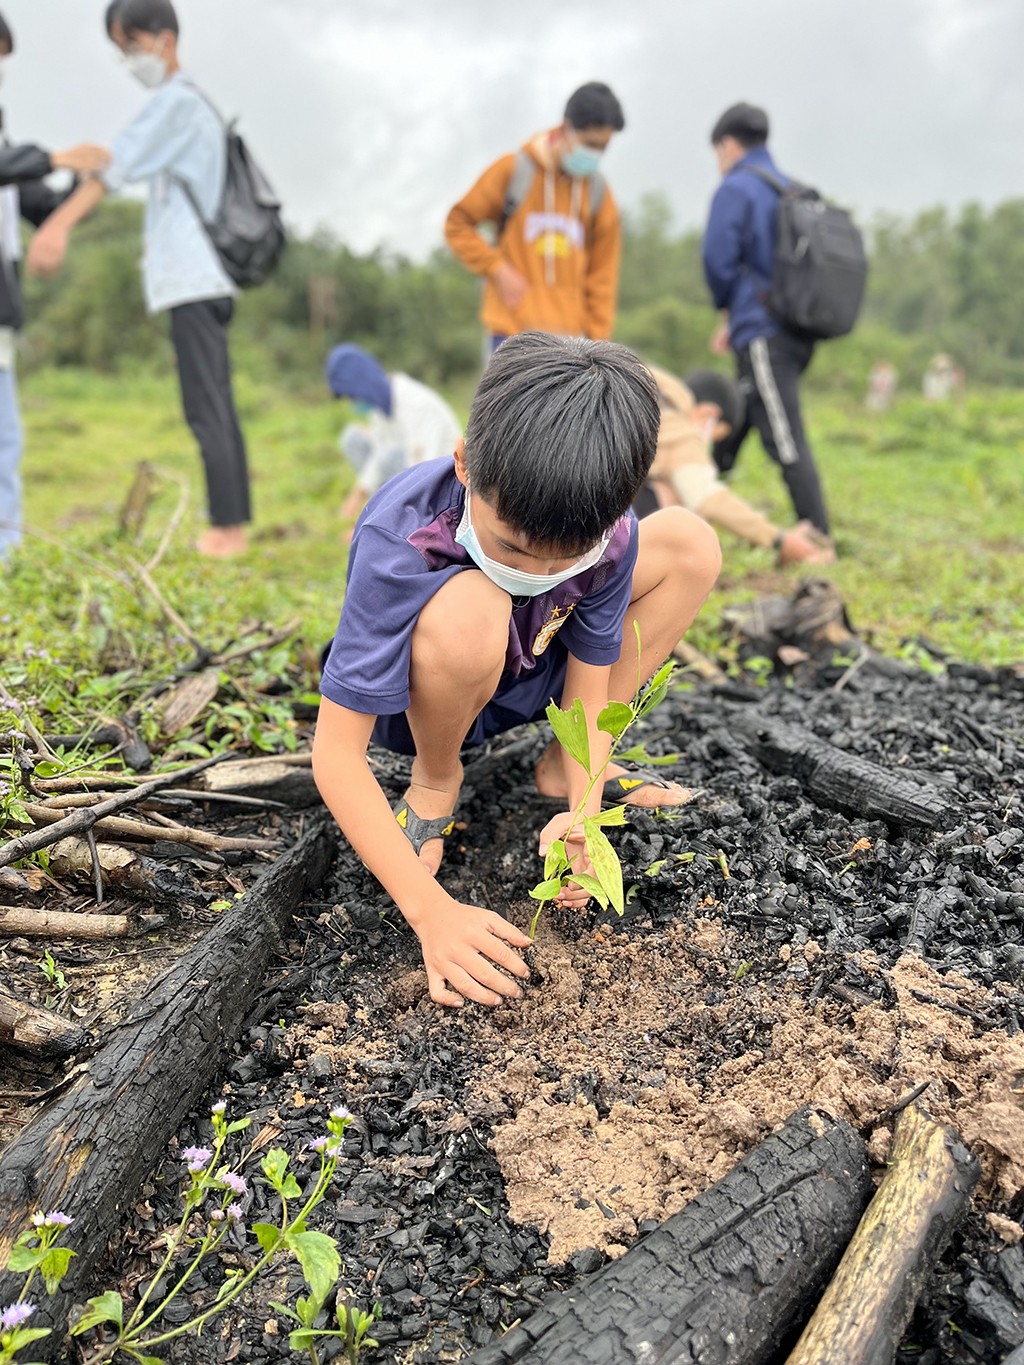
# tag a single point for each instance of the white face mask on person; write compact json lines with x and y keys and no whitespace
{"x":516,"y":582}
{"x":148,"y":68}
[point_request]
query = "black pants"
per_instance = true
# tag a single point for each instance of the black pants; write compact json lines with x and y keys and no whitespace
{"x":200,"y":335}
{"x":769,"y":372}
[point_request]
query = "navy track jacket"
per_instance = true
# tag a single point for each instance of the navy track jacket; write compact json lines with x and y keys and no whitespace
{"x":739,"y":247}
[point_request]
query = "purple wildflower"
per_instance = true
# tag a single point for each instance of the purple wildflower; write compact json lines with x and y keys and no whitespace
{"x":235,"y":1212}
{"x":217,"y":1216}
{"x":219,"y":1107}
{"x":38,"y":1220}
{"x":318,"y":1144}
{"x":340,"y":1112}
{"x":333,"y":1148}
{"x":15,"y":1314}
{"x":197,"y":1157}
{"x":56,"y":1219}
{"x":234,"y":1182}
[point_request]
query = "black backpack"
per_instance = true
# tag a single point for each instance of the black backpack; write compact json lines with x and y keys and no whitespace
{"x":247,"y":231}
{"x":820,"y":267}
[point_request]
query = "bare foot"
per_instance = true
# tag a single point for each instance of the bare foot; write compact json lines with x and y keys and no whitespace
{"x":432,"y":798}
{"x":223,"y":542}
{"x":549,"y":775}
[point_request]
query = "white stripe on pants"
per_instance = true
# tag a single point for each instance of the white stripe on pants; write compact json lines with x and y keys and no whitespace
{"x":10,"y":459}
{"x":768,"y":389}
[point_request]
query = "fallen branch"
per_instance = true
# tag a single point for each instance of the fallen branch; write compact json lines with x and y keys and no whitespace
{"x":722,"y":1281}
{"x":24,"y":844}
{"x":88,"y":1152}
{"x":122,"y":738}
{"x":17,"y":919}
{"x":291,"y":784}
{"x":862,"y":1315}
{"x":119,"y":827}
{"x":37,"y":1032}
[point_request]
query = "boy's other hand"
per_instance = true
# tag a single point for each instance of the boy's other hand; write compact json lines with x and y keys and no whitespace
{"x":510,"y":285}
{"x":561,"y":826}
{"x":463,"y":946}
{"x":720,"y":343}
{"x":47,"y":250}
{"x":85,"y":159}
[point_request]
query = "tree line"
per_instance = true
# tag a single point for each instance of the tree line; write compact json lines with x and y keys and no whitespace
{"x":942,"y":280}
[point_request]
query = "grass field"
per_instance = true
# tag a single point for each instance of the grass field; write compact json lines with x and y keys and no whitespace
{"x":928,"y":506}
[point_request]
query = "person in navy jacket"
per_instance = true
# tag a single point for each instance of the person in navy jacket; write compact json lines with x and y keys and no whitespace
{"x":739,"y":249}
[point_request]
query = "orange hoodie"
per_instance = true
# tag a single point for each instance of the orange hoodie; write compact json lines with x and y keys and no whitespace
{"x":568,"y":256}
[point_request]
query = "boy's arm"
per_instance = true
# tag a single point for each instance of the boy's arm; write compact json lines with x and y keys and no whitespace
{"x":484,"y":203}
{"x":49,"y":246}
{"x":601,"y":285}
{"x":461,"y":943}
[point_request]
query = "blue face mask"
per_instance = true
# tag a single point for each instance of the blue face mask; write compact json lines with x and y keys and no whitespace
{"x":516,"y":582}
{"x":361,"y":408}
{"x":580,"y":162}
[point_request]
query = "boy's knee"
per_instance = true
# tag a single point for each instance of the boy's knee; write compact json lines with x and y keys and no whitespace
{"x":465,"y":626}
{"x":687,"y":545}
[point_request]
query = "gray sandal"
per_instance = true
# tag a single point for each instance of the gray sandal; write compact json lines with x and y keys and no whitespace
{"x":419,"y":831}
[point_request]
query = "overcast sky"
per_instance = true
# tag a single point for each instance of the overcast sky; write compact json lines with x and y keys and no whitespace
{"x":373,"y":118}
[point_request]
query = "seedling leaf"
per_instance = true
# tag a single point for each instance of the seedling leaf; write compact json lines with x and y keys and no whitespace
{"x":570,"y":727}
{"x":614,"y":719}
{"x":605,"y":862}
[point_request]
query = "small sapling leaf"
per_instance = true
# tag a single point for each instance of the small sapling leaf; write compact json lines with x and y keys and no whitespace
{"x":614,"y":719}
{"x":605,"y":862}
{"x":548,"y":890}
{"x":267,"y":1234}
{"x":556,"y":858}
{"x":103,"y":1308}
{"x":570,"y":727}
{"x":614,"y":815}
{"x":592,"y":885}
{"x":638,"y":754}
{"x":54,"y":1266}
{"x":318,"y":1256}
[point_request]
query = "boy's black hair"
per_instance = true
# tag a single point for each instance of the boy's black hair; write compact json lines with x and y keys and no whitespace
{"x":594,"y":106}
{"x":561,"y":436}
{"x":141,"y":16}
{"x":6,"y":37}
{"x":747,"y":123}
{"x":712,"y":386}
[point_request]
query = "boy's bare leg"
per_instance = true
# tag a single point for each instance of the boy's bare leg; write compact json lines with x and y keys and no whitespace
{"x":458,"y":653}
{"x":678,"y":562}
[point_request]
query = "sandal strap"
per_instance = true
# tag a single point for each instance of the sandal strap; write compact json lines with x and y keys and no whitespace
{"x":620,"y":787}
{"x":420,"y":831}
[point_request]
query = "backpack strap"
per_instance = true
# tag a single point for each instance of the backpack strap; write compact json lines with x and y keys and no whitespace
{"x":523,"y":171}
{"x":773,"y":180}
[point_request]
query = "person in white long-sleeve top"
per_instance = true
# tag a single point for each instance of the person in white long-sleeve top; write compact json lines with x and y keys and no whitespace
{"x":402,"y":422}
{"x":177,"y":146}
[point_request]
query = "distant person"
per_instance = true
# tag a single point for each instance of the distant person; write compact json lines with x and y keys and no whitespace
{"x":405,"y":422}
{"x":554,"y":266}
{"x":176,"y":141}
{"x":882,"y":384}
{"x":739,"y":247}
{"x":696,"y":412}
{"x":941,"y":379}
{"x":24,"y":194}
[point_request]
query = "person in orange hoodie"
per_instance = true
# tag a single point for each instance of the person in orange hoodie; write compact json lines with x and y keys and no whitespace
{"x":555,"y":264}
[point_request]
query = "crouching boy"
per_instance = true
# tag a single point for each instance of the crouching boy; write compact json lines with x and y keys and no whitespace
{"x":481,"y":587}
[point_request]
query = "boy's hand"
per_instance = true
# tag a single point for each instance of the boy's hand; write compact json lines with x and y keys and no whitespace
{"x":460,"y":944}
{"x":510,"y":285}
{"x":85,"y":159}
{"x":561,"y":826}
{"x":46,"y":250}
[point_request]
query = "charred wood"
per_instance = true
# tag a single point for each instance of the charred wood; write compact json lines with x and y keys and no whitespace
{"x":836,"y":778}
{"x":37,"y":1032}
{"x":721,"y":1282}
{"x":88,"y":1151}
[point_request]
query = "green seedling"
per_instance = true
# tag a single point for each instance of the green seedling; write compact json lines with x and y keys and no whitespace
{"x":571,"y":731}
{"x":51,"y":971}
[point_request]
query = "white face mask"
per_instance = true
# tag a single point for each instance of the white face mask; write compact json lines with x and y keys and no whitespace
{"x":148,"y":68}
{"x":516,"y":582}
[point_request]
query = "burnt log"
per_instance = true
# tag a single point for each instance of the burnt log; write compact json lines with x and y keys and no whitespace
{"x":121,"y":738}
{"x":864,"y":1311}
{"x":88,"y":1152}
{"x":289,"y":783}
{"x":723,"y":1281}
{"x":833,"y":777}
{"x":37,"y":1032}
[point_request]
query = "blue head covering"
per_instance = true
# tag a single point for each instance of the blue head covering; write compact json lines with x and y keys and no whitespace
{"x":354,"y":373}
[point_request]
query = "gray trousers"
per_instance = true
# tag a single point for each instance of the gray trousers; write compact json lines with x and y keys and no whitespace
{"x":199,"y":332}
